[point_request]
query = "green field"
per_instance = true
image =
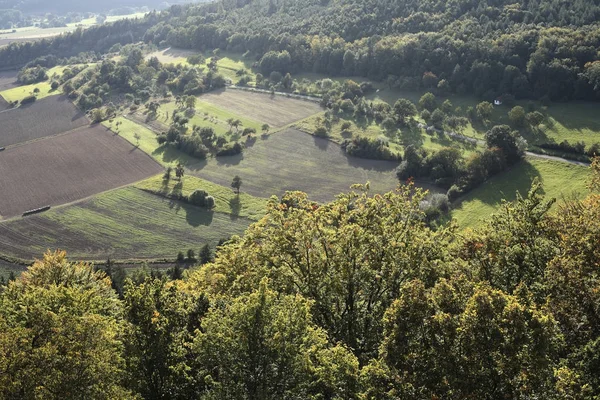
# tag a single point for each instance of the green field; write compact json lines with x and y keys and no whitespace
{"x":397,"y":140}
{"x":45,"y":90}
{"x":560,"y":180}
{"x":226,"y":201}
{"x":212,"y":116}
{"x":121,"y":224}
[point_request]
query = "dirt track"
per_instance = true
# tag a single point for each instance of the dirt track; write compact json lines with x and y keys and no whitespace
{"x":68,"y":167}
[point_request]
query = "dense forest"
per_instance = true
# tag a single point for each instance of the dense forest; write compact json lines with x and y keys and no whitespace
{"x":355,"y":299}
{"x":535,"y":49}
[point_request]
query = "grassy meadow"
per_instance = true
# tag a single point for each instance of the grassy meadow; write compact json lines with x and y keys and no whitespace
{"x":559,"y":180}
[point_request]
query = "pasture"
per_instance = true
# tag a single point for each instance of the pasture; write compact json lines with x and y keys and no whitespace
{"x":68,"y":167}
{"x":293,"y":160}
{"x":121,"y":224}
{"x":47,"y":117}
{"x":275,"y":110}
{"x":560,"y":180}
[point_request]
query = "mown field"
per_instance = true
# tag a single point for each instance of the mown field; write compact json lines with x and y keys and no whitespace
{"x":122,"y":224}
{"x":293,"y":160}
{"x":46,"y":117}
{"x":274,"y":110}
{"x":560,"y":180}
{"x":68,"y":167}
{"x":8,"y":80}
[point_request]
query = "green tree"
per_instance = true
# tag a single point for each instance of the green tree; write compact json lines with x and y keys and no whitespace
{"x":428,"y":102}
{"x":59,"y":333}
{"x":205,"y":255}
{"x":265,"y":128}
{"x":484,"y":110}
{"x":403,"y":110}
{"x":508,"y":141}
{"x":265,"y":346}
{"x":236,"y":184}
{"x":517,"y":116}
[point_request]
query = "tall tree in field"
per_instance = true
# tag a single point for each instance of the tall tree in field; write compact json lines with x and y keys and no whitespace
{"x":190,"y":102}
{"x":404,"y":109}
{"x":236,"y":183}
{"x":266,"y":128}
{"x":179,"y":171}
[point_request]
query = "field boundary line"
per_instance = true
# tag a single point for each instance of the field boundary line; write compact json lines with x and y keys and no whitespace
{"x":13,"y":146}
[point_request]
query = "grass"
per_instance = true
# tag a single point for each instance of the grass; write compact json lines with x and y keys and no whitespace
{"x":226,"y":201}
{"x":165,"y":155}
{"x":210,"y":115}
{"x":121,"y":224}
{"x":559,"y":180}
{"x":397,"y":140}
{"x":45,"y":89}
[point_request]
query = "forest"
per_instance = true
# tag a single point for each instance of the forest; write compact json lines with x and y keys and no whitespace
{"x":536,"y":49}
{"x":354,"y":299}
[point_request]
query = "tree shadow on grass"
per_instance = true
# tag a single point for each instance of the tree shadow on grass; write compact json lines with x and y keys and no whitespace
{"x":230,"y":160}
{"x":196,"y":216}
{"x":235,"y":205}
{"x":505,"y":185}
{"x":321,"y":143}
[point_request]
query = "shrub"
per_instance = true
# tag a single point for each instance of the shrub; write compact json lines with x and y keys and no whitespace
{"x":198,"y":198}
{"x":230,"y":150}
{"x":454,"y":193}
{"x":54,"y":85}
{"x":321,"y":131}
{"x":366,"y":148}
{"x":210,"y":202}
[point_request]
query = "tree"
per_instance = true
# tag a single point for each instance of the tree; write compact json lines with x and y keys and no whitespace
{"x":403,"y":110}
{"x":265,"y":128}
{"x":137,"y":138}
{"x":190,"y":102}
{"x":428,"y":102}
{"x":517,"y":116}
{"x":59,"y":333}
{"x":502,"y":137}
{"x":191,"y":255}
{"x":535,"y":118}
{"x":244,"y":346}
{"x":205,"y":255}
{"x":438,"y":118}
{"x":484,"y":110}
{"x":236,"y":124}
{"x":179,"y":171}
{"x":236,"y":184}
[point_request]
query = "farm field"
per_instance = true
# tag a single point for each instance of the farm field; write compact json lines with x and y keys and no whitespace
{"x":121,"y":224}
{"x":68,"y":167}
{"x":560,"y":180}
{"x":8,"y":80}
{"x":47,"y":117}
{"x":293,"y":160}
{"x":14,"y":92}
{"x":276,"y":111}
{"x":226,"y":201}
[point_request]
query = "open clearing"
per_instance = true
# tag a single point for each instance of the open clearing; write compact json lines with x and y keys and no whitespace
{"x":121,"y":224}
{"x":560,"y":180}
{"x":276,"y":111}
{"x":293,"y":160}
{"x":68,"y":167}
{"x":47,"y":117}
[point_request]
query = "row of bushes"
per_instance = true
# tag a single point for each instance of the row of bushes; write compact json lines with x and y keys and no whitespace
{"x":577,"y":148}
{"x":367,"y":148}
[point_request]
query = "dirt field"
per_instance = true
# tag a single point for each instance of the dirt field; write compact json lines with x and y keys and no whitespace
{"x":46,"y":117}
{"x":293,"y":160}
{"x":68,"y":167}
{"x":276,"y":111}
{"x":3,"y":104}
{"x":8,"y":80}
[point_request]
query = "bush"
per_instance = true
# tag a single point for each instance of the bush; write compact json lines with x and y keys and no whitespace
{"x":321,"y":131}
{"x":366,"y":148}
{"x":209,"y":202}
{"x":454,"y":193}
{"x":230,"y":150}
{"x":54,"y":85}
{"x":198,"y":198}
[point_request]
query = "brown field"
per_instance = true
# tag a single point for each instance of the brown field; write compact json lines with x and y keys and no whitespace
{"x":171,"y":55}
{"x":68,"y":167}
{"x":8,"y":80}
{"x":276,"y":111}
{"x":47,"y":117}
{"x":3,"y":104}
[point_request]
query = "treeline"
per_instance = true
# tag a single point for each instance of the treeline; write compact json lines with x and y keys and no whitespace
{"x":539,"y":49}
{"x":354,"y":299}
